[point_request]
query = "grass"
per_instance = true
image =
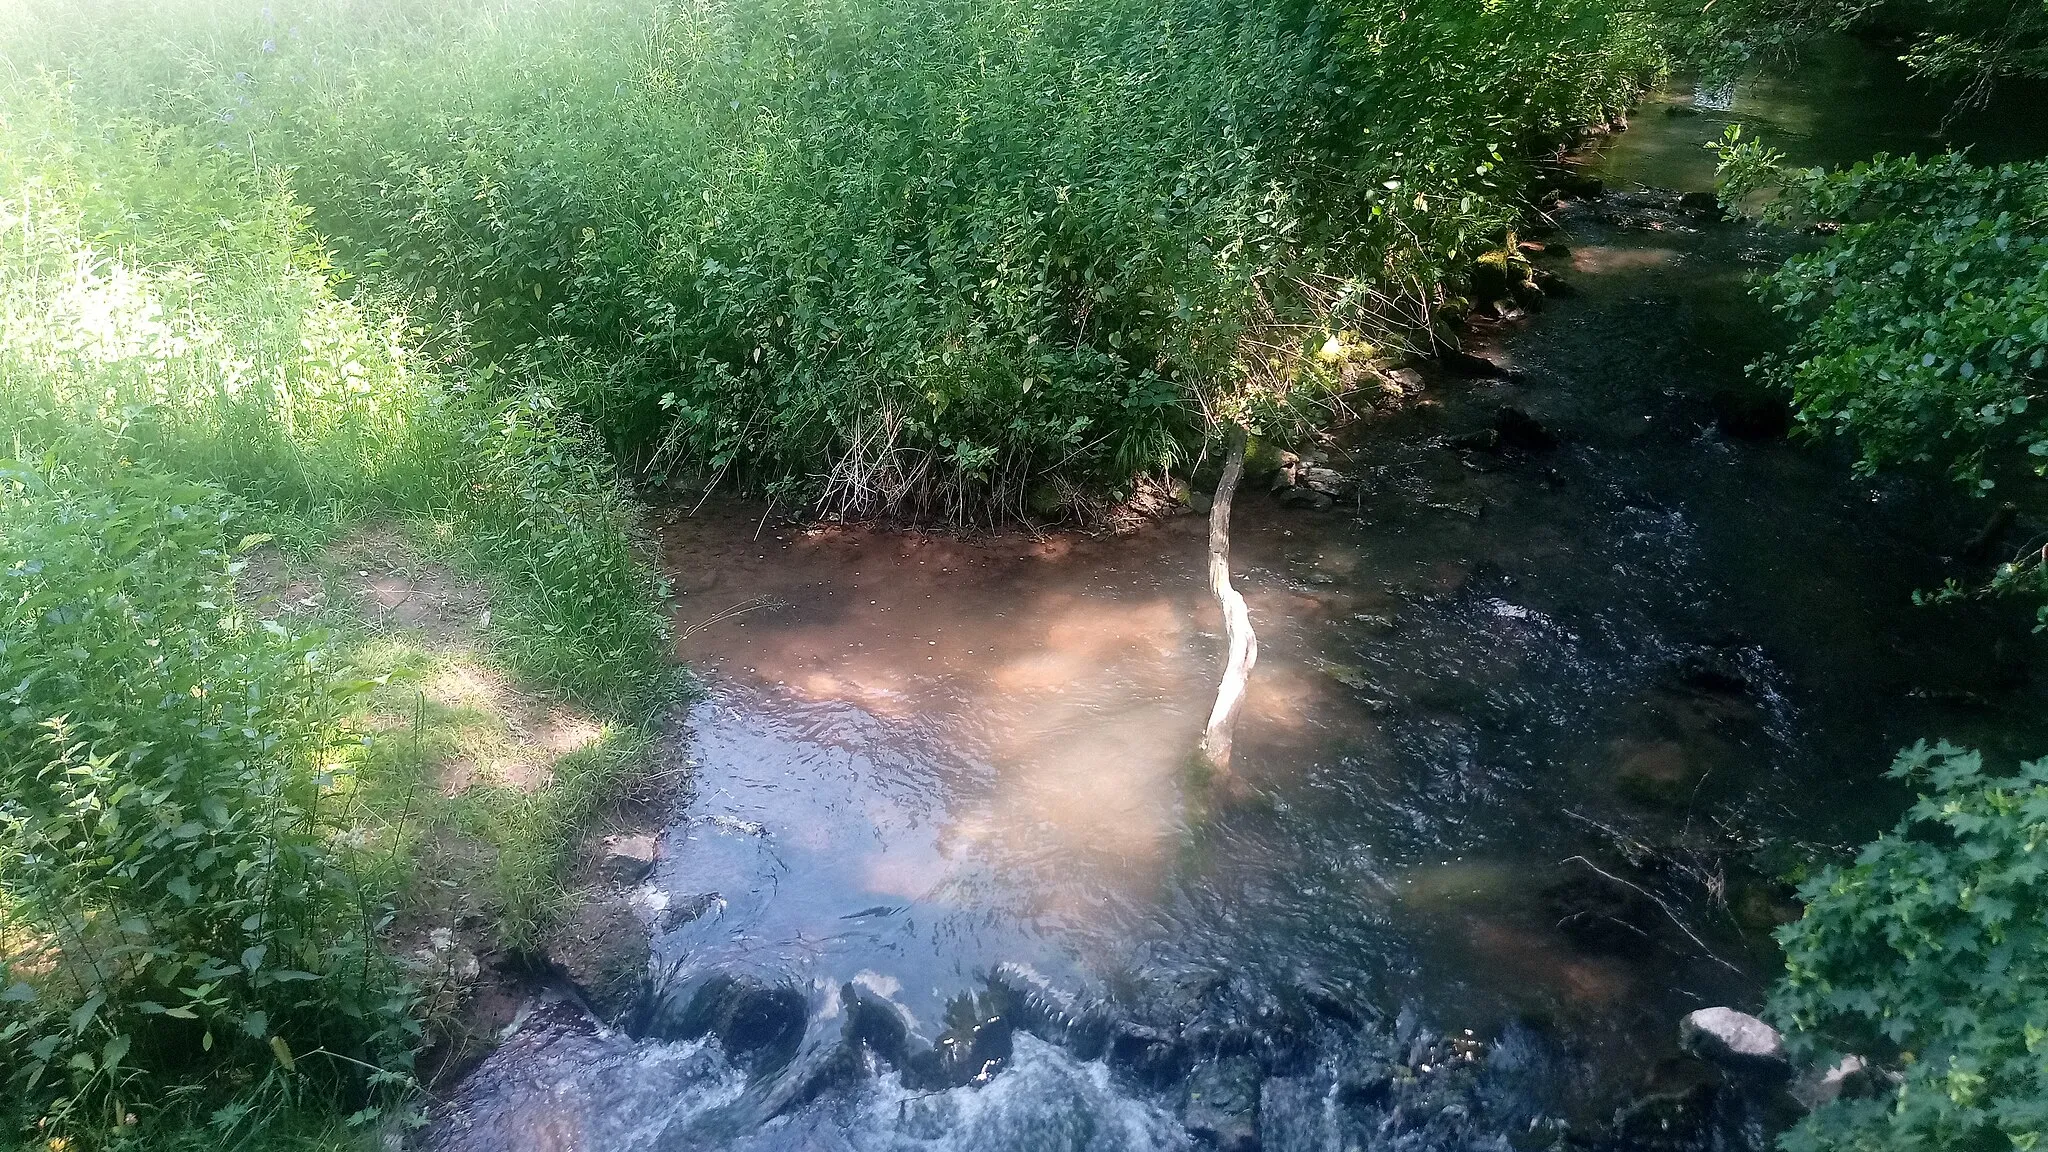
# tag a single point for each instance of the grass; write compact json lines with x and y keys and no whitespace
{"x":213,"y":809}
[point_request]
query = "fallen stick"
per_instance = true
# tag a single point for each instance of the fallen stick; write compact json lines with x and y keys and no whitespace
{"x":1237,"y":620}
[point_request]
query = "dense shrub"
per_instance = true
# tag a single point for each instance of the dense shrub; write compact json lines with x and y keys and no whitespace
{"x":900,"y":254}
{"x":172,"y":902}
{"x":1930,"y":954}
{"x":1922,"y":325}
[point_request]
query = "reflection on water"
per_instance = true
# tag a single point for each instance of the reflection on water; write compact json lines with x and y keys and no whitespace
{"x":1843,"y":103}
{"x":1530,"y":735}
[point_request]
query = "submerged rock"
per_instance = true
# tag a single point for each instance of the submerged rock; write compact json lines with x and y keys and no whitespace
{"x":1474,"y":366}
{"x":1306,"y":498}
{"x":1223,"y":1103}
{"x":1512,"y":429}
{"x":1702,"y":205}
{"x":1520,"y":430}
{"x":1667,"y":1120}
{"x":1716,"y":669}
{"x":1734,"y":1040}
{"x":875,"y":1023}
{"x":1580,"y":186}
{"x":757,"y":1024}
{"x":1600,"y":915}
{"x":977,"y":1042}
{"x":1657,"y":773}
{"x":1150,"y":1054}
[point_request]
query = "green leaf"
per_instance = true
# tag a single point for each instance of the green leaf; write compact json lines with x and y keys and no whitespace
{"x":82,"y":1015}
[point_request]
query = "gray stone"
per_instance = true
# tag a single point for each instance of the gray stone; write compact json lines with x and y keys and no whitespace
{"x":626,"y":859}
{"x":1734,"y":1040}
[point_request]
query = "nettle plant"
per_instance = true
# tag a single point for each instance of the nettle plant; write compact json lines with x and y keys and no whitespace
{"x":174,"y":910}
{"x":933,"y":257}
{"x":1930,"y":954}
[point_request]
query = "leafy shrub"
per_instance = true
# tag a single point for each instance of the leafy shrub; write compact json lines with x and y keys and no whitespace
{"x":175,"y":904}
{"x":902,"y":254}
{"x":1931,"y":952}
{"x":1922,"y":325}
{"x":1923,"y":322}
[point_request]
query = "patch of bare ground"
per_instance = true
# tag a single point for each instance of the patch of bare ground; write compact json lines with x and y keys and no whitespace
{"x":473,"y":726}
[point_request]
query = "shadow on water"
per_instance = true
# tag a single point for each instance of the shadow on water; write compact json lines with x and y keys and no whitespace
{"x":1532,"y":736}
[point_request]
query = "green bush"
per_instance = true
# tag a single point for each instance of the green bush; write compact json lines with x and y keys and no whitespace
{"x":1930,"y":952}
{"x":909,"y":255}
{"x":1922,"y":325}
{"x":175,"y":908}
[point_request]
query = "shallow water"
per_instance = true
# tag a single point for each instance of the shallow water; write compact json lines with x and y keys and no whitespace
{"x":1529,"y":734}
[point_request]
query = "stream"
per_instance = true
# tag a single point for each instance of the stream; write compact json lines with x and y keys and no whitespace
{"x":1533,"y":734}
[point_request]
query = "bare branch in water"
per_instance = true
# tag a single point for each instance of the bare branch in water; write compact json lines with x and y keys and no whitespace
{"x":1237,"y":620}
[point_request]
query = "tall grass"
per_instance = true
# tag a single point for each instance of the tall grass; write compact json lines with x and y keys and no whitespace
{"x":192,"y":881}
{"x":895,"y":255}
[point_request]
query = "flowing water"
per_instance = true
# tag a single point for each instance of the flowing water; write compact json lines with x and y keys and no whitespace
{"x":1531,"y":735}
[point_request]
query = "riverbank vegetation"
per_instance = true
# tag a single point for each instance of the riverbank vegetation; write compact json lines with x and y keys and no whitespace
{"x":918,"y":256}
{"x":1920,"y":332}
{"x":334,"y":337}
{"x":215,"y":780}
{"x":1926,"y":955}
{"x":317,"y":314}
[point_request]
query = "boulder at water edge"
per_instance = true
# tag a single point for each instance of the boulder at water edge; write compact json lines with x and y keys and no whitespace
{"x":1734,"y":1040}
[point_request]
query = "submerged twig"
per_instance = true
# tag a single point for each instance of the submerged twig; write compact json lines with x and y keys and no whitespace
{"x":739,"y":609}
{"x":1659,"y":901}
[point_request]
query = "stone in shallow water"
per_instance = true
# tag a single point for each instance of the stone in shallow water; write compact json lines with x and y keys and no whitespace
{"x":1223,"y":1103}
{"x":1734,"y":1040}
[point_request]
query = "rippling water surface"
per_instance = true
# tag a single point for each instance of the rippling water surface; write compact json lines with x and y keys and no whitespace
{"x":1530,"y":735}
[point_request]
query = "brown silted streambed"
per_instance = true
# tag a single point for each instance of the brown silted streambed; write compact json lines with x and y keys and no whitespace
{"x":1533,"y":730}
